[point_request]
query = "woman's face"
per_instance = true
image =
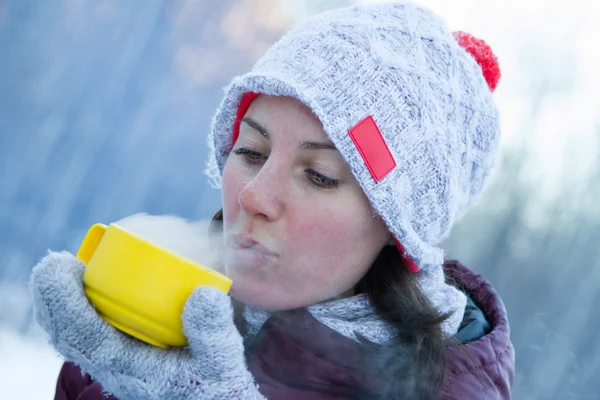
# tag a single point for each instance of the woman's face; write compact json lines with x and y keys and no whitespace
{"x":298,"y":228}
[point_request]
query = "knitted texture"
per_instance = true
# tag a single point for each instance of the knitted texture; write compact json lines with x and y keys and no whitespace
{"x":355,"y":315}
{"x":212,"y":367}
{"x":399,"y":64}
{"x":347,"y":316}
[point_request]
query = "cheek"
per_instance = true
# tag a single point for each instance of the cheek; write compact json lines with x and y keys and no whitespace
{"x":348,"y":222}
{"x":344,"y":238}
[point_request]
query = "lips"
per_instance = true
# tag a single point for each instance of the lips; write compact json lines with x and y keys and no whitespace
{"x":246,"y":242}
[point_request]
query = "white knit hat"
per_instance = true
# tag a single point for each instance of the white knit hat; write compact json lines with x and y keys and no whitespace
{"x":407,"y":105}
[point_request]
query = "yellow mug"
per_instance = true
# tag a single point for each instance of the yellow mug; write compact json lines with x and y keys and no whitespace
{"x":140,"y":288}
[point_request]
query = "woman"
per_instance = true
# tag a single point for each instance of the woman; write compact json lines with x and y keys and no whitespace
{"x":344,"y":156}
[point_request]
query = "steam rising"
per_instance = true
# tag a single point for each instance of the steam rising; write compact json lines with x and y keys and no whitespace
{"x":189,"y":239}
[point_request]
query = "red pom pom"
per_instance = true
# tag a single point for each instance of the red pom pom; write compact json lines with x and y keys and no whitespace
{"x":483,"y":54}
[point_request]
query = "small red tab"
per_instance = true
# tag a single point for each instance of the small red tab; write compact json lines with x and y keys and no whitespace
{"x":410,"y":264}
{"x":372,"y":147}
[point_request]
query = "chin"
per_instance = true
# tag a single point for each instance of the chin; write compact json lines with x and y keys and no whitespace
{"x":255,"y":297}
{"x":263,"y":298}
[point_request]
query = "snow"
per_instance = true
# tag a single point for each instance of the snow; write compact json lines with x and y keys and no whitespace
{"x":28,"y":367}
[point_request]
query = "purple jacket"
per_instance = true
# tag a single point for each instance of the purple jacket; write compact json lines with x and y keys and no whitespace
{"x":295,"y":357}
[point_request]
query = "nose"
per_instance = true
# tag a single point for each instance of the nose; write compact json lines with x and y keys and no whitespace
{"x":260,"y":196}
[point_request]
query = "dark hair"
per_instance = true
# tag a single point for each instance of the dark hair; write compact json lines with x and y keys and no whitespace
{"x":414,"y":361}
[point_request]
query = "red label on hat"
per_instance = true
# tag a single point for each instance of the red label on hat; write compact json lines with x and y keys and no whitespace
{"x":372,"y":147}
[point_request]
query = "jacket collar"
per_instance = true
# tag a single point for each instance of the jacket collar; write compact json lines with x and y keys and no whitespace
{"x":294,"y":350}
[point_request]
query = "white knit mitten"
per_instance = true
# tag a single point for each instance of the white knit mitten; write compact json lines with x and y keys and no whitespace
{"x":211,"y":367}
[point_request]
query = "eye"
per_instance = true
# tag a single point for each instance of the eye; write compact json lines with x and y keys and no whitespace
{"x":250,"y":156}
{"x":321,"y":181}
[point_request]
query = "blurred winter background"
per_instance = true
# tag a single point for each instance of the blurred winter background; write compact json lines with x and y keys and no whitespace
{"x":105,"y":107}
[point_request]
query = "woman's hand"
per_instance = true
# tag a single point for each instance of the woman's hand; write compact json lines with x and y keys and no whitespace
{"x":212,"y":367}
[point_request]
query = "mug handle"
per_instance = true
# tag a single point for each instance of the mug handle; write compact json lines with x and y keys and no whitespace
{"x":90,"y":242}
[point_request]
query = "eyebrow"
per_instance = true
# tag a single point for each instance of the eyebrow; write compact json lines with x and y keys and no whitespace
{"x":304,"y":145}
{"x":258,"y":127}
